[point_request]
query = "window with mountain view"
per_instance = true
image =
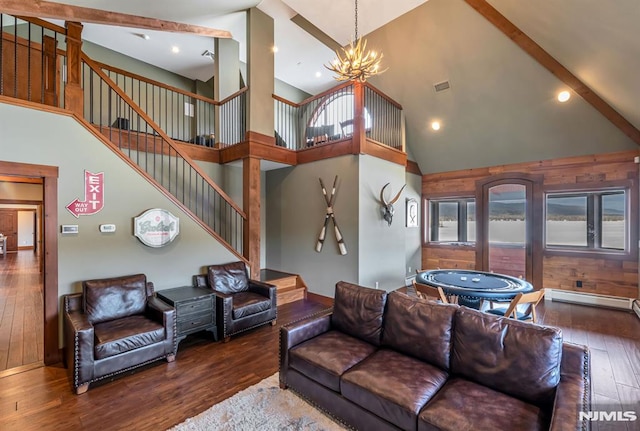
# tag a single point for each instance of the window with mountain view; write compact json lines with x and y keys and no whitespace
{"x":595,"y":220}
{"x":452,"y":220}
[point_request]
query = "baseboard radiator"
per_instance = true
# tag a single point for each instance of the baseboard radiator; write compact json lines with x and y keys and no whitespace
{"x":592,"y":299}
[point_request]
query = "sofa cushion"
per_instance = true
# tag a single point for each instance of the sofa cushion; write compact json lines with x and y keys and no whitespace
{"x":393,"y":386}
{"x":228,"y":278}
{"x":248,"y":303}
{"x":112,"y":298}
{"x":419,"y":328}
{"x":326,"y":357}
{"x":517,"y":358}
{"x":464,"y":405}
{"x":125,"y":334}
{"x":358,"y":311}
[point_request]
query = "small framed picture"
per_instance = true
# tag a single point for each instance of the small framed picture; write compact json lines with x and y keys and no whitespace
{"x":412,"y":213}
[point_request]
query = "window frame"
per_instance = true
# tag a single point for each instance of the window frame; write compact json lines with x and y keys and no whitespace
{"x":594,"y":248}
{"x":462,"y":220}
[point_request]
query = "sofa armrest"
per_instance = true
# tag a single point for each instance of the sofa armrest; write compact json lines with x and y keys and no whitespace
{"x":298,"y":332}
{"x":573,"y":394}
{"x":79,"y":341}
{"x":164,"y":313}
{"x":264,"y":289}
{"x":159,"y":310}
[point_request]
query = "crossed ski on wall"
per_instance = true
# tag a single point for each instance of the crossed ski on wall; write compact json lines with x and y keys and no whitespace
{"x":330,"y":215}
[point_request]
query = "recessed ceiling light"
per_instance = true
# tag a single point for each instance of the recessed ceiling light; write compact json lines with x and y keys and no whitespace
{"x":145,"y":36}
{"x":175,"y":49}
{"x":435,"y":125}
{"x":563,"y":96}
{"x":318,"y":74}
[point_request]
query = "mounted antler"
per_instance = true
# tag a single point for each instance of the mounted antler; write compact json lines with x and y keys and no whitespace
{"x":387,"y":207}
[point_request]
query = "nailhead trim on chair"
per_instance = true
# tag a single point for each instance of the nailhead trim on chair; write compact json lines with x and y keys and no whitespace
{"x":587,"y":392}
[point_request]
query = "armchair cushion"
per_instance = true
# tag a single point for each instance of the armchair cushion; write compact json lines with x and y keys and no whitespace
{"x":248,"y":303}
{"x":128,"y":333}
{"x":358,"y":311}
{"x":229,"y":278}
{"x":113,"y":298}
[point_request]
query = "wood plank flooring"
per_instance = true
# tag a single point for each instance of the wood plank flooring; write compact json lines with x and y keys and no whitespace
{"x":21,"y":311}
{"x":204,"y":373}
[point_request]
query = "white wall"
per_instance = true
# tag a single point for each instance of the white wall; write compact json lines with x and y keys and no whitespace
{"x":58,"y":140}
{"x":294,"y":217}
{"x":381,"y":247}
{"x":26,"y":220}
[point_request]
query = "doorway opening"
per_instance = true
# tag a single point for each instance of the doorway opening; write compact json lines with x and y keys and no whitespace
{"x":28,"y":270}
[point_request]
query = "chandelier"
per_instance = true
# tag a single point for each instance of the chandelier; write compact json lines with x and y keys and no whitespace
{"x":356,"y":63}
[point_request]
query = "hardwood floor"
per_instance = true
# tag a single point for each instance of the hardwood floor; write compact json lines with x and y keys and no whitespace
{"x":204,"y":373}
{"x":21,"y":311}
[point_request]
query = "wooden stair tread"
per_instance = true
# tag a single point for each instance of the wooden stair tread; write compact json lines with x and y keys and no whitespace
{"x":290,"y":287}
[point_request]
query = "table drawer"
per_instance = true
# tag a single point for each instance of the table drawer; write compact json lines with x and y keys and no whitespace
{"x":195,"y":322}
{"x":196,"y":306}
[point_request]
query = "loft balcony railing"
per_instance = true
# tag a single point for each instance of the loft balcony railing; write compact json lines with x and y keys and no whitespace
{"x":181,"y":114}
{"x":346,"y":112}
{"x":31,"y":60}
{"x":149,"y":147}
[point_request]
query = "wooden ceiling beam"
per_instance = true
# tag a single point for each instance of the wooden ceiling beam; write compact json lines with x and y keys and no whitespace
{"x":554,"y":66}
{"x":45,"y":9}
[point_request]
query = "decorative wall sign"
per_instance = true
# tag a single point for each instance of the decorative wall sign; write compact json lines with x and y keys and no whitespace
{"x":93,"y":200}
{"x":412,"y":213}
{"x":156,"y":227}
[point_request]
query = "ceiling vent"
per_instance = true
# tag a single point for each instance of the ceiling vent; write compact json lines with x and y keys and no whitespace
{"x":441,"y":86}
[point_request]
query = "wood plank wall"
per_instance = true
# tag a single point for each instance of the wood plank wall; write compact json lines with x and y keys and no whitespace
{"x":607,"y":275}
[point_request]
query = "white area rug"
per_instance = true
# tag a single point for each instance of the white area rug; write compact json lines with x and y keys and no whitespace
{"x":263,"y":406}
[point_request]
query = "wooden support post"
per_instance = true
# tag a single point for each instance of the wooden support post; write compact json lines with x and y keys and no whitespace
{"x":73,"y":97}
{"x":51,"y":81}
{"x":251,"y":204}
{"x":359,"y":134}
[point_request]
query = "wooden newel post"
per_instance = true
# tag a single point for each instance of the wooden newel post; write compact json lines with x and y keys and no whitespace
{"x":73,"y":97}
{"x":359,"y":134}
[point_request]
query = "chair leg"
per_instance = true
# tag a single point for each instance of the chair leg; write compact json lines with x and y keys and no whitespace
{"x":171,"y":357}
{"x":226,"y":339}
{"x":273,"y":323}
{"x":82,"y":389}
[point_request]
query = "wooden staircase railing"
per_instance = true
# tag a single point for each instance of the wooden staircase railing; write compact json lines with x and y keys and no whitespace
{"x":107,"y":106}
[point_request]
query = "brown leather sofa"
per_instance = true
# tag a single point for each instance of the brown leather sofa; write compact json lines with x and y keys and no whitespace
{"x":241,"y":303}
{"x":113,"y":326}
{"x":388,"y":361}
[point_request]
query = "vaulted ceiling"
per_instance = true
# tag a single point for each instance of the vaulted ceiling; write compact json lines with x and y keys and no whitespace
{"x":501,"y":107}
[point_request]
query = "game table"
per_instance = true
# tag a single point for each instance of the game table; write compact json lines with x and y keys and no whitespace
{"x":472,"y":287}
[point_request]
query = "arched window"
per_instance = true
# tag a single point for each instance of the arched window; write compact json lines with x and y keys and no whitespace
{"x":333,"y":117}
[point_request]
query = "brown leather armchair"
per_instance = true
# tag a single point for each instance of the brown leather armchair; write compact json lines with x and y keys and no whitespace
{"x":114,"y":325}
{"x":241,"y":303}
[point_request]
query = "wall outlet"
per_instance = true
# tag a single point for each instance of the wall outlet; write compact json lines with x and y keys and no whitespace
{"x":578,"y":283}
{"x":376,"y":284}
{"x":409,"y":270}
